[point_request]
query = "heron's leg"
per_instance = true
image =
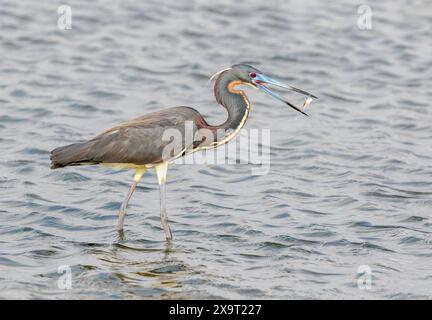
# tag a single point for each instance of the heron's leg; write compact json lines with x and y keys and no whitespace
{"x":122,"y":213}
{"x":161,"y":171}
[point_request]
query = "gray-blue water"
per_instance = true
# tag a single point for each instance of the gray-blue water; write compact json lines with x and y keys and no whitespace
{"x":349,"y":189}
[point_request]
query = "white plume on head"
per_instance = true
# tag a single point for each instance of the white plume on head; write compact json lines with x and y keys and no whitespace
{"x":218,"y":73}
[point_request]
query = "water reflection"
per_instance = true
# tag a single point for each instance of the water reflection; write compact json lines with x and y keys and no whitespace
{"x":144,"y":263}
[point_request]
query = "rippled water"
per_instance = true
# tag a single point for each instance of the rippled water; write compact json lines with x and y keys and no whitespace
{"x":350,"y":186}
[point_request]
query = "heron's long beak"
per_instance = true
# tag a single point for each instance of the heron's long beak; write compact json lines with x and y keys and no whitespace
{"x":260,"y":81}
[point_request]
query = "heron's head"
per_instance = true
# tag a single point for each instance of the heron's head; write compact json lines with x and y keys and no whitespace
{"x":249,"y":75}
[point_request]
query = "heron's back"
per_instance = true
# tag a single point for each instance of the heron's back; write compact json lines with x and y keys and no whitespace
{"x":142,"y":141}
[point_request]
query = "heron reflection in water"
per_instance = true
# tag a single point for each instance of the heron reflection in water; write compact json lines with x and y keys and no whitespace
{"x":139,"y":145}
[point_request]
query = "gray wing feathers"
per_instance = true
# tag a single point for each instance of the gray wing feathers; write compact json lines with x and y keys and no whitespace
{"x":139,"y":141}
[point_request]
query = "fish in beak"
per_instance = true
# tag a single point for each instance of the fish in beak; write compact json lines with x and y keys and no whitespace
{"x":260,"y":81}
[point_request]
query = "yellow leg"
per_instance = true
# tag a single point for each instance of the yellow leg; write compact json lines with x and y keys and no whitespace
{"x":122,"y":213}
{"x":161,"y":171}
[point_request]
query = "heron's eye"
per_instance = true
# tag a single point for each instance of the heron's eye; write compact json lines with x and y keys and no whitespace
{"x":252,"y":75}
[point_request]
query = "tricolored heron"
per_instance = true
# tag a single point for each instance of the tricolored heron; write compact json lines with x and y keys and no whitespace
{"x":139,"y":144}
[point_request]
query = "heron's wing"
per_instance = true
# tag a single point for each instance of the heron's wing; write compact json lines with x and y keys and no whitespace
{"x":150,"y":139}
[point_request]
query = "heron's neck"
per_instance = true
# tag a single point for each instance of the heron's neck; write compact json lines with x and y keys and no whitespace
{"x":235,"y":102}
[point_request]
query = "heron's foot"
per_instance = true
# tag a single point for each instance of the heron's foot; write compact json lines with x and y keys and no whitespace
{"x":121,"y":235}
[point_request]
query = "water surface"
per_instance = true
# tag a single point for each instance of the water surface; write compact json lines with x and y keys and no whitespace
{"x":350,"y":186}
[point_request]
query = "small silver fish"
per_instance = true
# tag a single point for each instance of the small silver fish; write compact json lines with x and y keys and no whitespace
{"x":307,"y":102}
